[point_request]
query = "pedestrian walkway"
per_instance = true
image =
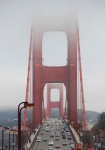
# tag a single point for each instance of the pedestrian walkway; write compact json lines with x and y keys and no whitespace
{"x":77,"y":138}
{"x":32,"y":137}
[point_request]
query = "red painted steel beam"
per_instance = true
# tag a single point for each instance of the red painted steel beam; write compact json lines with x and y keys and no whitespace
{"x":37,"y":89}
{"x":72,"y":82}
{"x":55,"y":74}
{"x":54,"y":104}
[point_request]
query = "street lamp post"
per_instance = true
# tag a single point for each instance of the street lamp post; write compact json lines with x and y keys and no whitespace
{"x":4,"y":128}
{"x":1,"y":130}
{"x":13,"y":141}
{"x":25,"y":105}
{"x":2,"y":138}
{"x":9,"y":139}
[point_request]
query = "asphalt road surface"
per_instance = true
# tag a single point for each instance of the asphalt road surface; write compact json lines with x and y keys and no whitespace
{"x":54,"y":134}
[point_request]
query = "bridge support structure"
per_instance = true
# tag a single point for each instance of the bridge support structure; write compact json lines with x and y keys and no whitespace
{"x":56,"y":104}
{"x":67,"y":74}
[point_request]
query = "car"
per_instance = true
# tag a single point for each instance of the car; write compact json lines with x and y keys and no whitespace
{"x":64,"y":142}
{"x":68,"y":133}
{"x":64,"y":137}
{"x":57,"y":135}
{"x":45,"y":139}
{"x":71,"y":145}
{"x":62,"y":132}
{"x":52,"y":135}
{"x":51,"y":143}
{"x":56,"y":139}
{"x":69,"y":137}
{"x":57,"y":146}
{"x":38,"y":139}
{"x":50,"y":148}
{"x":48,"y":125}
{"x":47,"y":129}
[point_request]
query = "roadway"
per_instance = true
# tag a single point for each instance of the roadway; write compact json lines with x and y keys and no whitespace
{"x":56,"y":131}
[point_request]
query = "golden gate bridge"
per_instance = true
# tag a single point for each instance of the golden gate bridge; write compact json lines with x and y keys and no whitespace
{"x":55,"y":77}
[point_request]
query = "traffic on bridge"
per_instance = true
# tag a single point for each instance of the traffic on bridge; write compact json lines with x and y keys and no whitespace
{"x":54,"y":134}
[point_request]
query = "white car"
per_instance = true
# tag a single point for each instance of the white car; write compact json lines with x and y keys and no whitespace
{"x":72,"y":145}
{"x":50,"y":148}
{"x":64,"y":142}
{"x":57,"y":146}
{"x":51,"y":143}
{"x":47,"y":129}
{"x":38,"y":139}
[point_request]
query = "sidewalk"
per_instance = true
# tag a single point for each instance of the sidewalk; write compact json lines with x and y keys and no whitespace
{"x":75,"y":134}
{"x":32,"y":137}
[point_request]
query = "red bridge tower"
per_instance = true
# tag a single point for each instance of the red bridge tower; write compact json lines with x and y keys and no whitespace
{"x":66,"y":75}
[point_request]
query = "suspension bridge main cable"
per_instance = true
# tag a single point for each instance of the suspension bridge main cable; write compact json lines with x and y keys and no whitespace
{"x":81,"y":80}
{"x":28,"y":79}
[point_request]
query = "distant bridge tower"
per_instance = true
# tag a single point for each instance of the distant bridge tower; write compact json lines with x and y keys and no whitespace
{"x":56,"y":104}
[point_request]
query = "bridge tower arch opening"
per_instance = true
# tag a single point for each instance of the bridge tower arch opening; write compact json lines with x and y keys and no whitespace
{"x":55,"y":97}
{"x":54,"y":48}
{"x":58,"y":98}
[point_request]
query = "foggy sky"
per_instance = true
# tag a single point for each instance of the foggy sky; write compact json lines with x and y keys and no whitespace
{"x":15,"y":24}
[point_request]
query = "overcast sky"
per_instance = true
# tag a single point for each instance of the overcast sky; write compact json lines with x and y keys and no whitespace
{"x":15,"y":23}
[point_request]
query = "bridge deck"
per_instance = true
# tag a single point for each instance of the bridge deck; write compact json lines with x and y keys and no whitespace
{"x":52,"y":130}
